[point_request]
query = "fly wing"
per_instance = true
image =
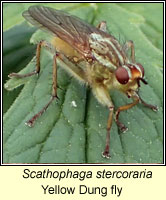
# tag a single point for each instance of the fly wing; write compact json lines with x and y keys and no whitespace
{"x":69,"y":28}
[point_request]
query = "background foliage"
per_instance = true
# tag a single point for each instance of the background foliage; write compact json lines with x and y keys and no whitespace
{"x":73,"y":128}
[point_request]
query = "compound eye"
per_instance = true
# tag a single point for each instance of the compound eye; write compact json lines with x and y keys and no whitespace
{"x":122,"y":75}
{"x":141,"y":68}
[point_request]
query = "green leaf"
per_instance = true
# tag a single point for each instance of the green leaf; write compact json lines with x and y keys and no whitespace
{"x":73,"y":129}
{"x":17,"y":53}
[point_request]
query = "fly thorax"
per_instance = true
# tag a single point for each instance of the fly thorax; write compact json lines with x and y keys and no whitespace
{"x":98,"y":45}
{"x":104,"y":51}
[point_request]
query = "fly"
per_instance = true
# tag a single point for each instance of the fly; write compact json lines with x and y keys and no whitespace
{"x":92,"y":56}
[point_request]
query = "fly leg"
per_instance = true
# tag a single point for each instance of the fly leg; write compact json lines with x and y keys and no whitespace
{"x":38,"y":53}
{"x":106,"y":153}
{"x":31,"y":121}
{"x":102,"y":26}
{"x":47,"y":45}
{"x":74,"y":68}
{"x":122,"y":127}
{"x":130,"y":45}
{"x":136,"y":99}
{"x":154,"y":108}
{"x":102,"y":95}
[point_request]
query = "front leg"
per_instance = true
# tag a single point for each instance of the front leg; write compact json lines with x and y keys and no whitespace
{"x":122,"y":127}
{"x":106,"y":153}
{"x":154,"y":108}
{"x":102,"y":95}
{"x":136,"y":99}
